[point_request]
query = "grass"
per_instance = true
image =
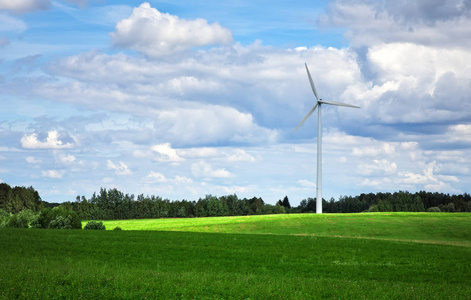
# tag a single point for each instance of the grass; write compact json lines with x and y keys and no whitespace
{"x":437,"y":228}
{"x":259,"y":257}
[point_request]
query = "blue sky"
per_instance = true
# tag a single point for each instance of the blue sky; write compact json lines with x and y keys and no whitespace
{"x":181,"y":99}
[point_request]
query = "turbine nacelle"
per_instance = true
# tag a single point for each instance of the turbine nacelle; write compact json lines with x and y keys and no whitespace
{"x":319,"y":101}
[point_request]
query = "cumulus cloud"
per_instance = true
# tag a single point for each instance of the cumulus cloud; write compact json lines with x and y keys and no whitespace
{"x":32,"y":160}
{"x":378,"y":167}
{"x":22,"y":6}
{"x":429,"y":180}
{"x":170,"y":183}
{"x":52,"y":141}
{"x":212,"y":125}
{"x":65,"y":158}
{"x":413,"y":55}
{"x":166,"y":153}
{"x":376,"y":150}
{"x":156,"y":177}
{"x":460,"y":133}
{"x":120,"y":169}
{"x":156,"y":34}
{"x":205,"y":170}
{"x":306,"y":183}
{"x":55,"y":174}
{"x":440,"y":23}
{"x":240,"y":155}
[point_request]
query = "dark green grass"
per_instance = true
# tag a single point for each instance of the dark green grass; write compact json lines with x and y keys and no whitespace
{"x":80,"y":264}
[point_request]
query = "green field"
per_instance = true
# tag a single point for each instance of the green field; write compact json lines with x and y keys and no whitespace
{"x":308,"y":256}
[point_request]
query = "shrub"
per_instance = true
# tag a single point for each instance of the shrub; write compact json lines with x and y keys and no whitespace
{"x":61,"y":223}
{"x":34,"y":222}
{"x":117,"y":228}
{"x":17,"y":221}
{"x":4,"y":215}
{"x":373,"y":208}
{"x":58,"y":218}
{"x":434,"y":209}
{"x":43,"y":219}
{"x":93,"y":225}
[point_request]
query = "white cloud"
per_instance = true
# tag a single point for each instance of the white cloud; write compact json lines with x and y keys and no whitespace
{"x":156,"y":34}
{"x":378,"y":167}
{"x":306,"y":183}
{"x":120,"y":168}
{"x":205,"y":170}
{"x":381,"y":148}
{"x":417,"y":65}
{"x":32,"y":160}
{"x":200,"y":152}
{"x":442,"y":23}
{"x":235,"y":189}
{"x":428,"y":179}
{"x":156,"y":177}
{"x":212,"y":124}
{"x":54,"y":174}
{"x":245,"y":92}
{"x":460,"y":133}
{"x":66,"y":159}
{"x":52,"y":141}
{"x":182,"y":180}
{"x":239,"y":155}
{"x":22,"y":6}
{"x":166,"y":153}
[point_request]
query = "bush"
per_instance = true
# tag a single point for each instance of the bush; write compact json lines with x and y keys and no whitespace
{"x":3,"y":218}
{"x":57,"y":218}
{"x":117,"y":228}
{"x":17,"y":221}
{"x":61,"y":223}
{"x":93,"y":225}
{"x":434,"y":209}
{"x":373,"y":208}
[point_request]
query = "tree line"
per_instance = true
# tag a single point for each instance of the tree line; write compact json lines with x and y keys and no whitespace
{"x":393,"y":202}
{"x":113,"y":204}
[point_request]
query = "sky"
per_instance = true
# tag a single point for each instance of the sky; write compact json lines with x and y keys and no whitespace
{"x":182,"y":99}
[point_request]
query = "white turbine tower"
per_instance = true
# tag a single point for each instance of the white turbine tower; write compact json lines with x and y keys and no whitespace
{"x":319,"y":137}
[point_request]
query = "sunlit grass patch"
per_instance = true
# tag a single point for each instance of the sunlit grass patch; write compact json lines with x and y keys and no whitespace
{"x":444,"y":228}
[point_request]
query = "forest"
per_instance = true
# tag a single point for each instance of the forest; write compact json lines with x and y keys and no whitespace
{"x":112,"y":204}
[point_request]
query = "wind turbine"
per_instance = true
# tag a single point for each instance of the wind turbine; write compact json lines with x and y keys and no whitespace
{"x":319,"y":137}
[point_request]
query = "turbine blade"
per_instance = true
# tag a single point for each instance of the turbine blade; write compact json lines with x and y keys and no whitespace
{"x":339,"y":103}
{"x":307,"y":116}
{"x":312,"y":83}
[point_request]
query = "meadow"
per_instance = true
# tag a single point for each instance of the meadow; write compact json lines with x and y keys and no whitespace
{"x":299,"y":256}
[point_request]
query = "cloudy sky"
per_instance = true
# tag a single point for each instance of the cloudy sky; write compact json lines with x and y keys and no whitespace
{"x":182,"y":99}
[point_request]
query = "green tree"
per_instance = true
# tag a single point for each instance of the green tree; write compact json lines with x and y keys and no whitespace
{"x":279,"y":209}
{"x":286,"y":203}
